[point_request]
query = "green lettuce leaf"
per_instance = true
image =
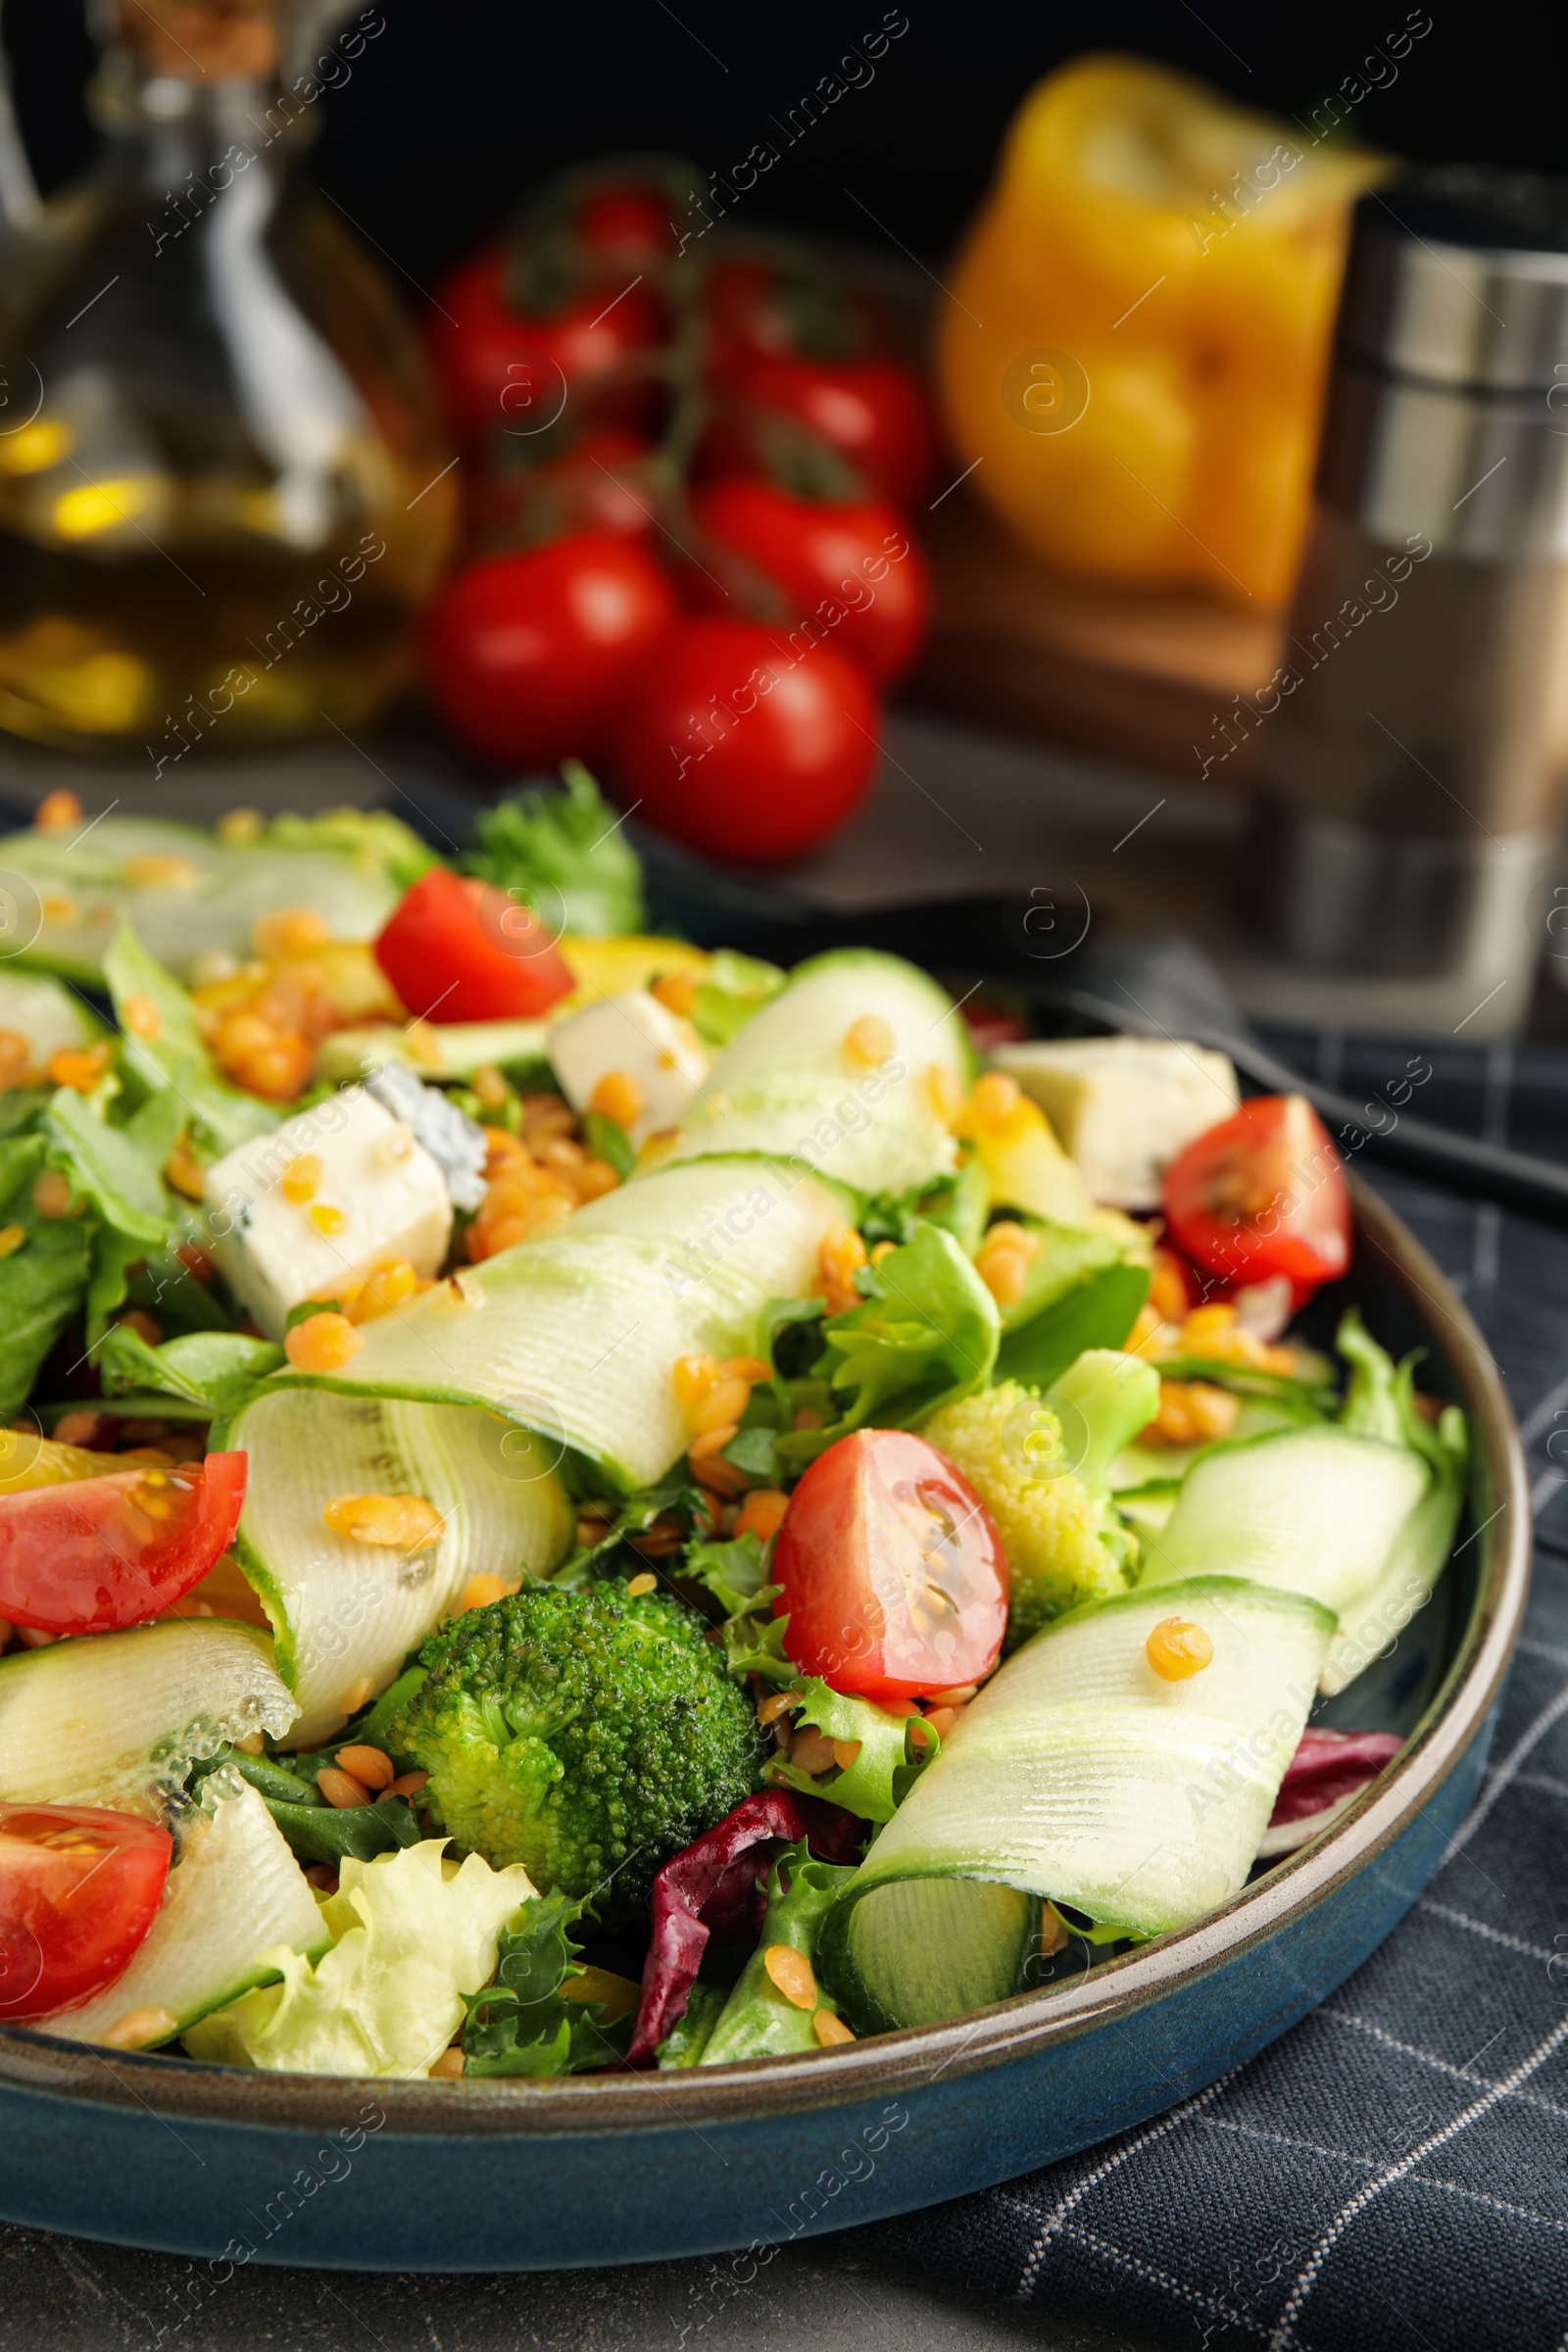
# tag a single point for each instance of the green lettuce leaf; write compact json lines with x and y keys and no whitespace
{"x":735,"y":1572}
{"x":375,"y":841}
{"x":43,"y":1280}
{"x":736,"y":987}
{"x":890,"y":1761}
{"x":413,"y":1933}
{"x":566,"y":855}
{"x":524,"y":2022}
{"x":926,"y":1334}
{"x":958,"y":1203}
{"x":757,"y":2020}
{"x":177,"y":1059}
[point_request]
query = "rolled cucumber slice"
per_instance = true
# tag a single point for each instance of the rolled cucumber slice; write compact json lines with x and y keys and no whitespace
{"x":119,"y":1719}
{"x":1416,"y":1560}
{"x":343,"y":1612}
{"x":1079,"y":1774}
{"x":235,"y":1893}
{"x":46,"y":1014}
{"x":575,"y":1336}
{"x":183,"y":891}
{"x":787,"y":1086}
{"x":1315,"y":1511}
{"x":444,"y":1051}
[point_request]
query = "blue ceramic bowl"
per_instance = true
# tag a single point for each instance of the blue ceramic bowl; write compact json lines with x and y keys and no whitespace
{"x":235,"y":2167}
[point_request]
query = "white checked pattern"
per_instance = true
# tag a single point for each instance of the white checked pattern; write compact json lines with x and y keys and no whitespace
{"x":1395,"y":2171}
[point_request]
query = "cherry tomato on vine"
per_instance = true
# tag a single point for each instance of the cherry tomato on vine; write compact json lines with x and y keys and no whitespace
{"x":98,"y":1554}
{"x":631,"y":221}
{"x":1263,"y":1194}
{"x":871,"y":411}
{"x":746,"y":747}
{"x":854,"y":561}
{"x":501,"y":369}
{"x":79,"y":1890}
{"x":465,"y":950}
{"x":894,"y":1582}
{"x":529,"y":657}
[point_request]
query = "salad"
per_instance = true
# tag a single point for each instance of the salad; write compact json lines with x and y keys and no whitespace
{"x":570,"y":1502}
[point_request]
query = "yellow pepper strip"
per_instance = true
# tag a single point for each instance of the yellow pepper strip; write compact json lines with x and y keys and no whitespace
{"x":29,"y":1460}
{"x":1140,"y":326}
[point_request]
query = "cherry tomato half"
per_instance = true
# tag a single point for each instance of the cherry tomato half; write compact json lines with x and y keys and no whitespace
{"x":1263,"y":1194}
{"x":529,"y":657}
{"x":78,"y":1890}
{"x":855,"y":566}
{"x":747,"y":748}
{"x":103,"y":1553}
{"x":504,"y":369}
{"x":461,"y":951}
{"x":895,"y":1579}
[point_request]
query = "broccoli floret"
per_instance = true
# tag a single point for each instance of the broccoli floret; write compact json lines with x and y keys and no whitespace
{"x":1040,"y":1466}
{"x":588,"y":1735}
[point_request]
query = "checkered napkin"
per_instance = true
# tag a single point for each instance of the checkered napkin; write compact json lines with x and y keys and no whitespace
{"x":1394,"y":2172}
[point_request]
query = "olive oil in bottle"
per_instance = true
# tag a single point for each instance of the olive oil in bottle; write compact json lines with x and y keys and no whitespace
{"x":224,"y":492}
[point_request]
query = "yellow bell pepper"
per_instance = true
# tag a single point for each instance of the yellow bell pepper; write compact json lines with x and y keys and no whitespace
{"x":1025,"y":1167}
{"x":1134,"y":353}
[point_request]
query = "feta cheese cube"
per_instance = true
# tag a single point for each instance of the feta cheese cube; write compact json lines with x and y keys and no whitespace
{"x":633,"y":1036}
{"x":332,"y":1192}
{"x":1123,"y":1107}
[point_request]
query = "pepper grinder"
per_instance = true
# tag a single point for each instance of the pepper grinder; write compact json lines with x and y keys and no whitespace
{"x":1412,"y":751}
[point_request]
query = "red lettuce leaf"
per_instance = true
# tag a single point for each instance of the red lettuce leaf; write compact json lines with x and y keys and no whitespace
{"x":1328,"y":1766}
{"x":716,"y":1886}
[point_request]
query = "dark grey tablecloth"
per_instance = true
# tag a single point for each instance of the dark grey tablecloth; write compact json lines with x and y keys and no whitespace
{"x":1394,"y":2171}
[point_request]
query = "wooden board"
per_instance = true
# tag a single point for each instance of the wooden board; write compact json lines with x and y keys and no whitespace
{"x":1142,"y":676}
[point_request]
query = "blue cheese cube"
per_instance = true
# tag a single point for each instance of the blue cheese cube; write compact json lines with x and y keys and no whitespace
{"x":631,"y":1036}
{"x":317,"y":1204}
{"x":1123,"y":1107}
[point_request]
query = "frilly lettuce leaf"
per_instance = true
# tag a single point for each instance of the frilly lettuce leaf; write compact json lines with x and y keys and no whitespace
{"x":540,"y":2017}
{"x":926,"y":1333}
{"x":890,"y":1760}
{"x":565,"y":853}
{"x":413,"y":1934}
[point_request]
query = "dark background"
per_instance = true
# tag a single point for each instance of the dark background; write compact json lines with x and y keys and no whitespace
{"x":461,"y":104}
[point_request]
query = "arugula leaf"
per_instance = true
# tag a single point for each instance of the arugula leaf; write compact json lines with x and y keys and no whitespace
{"x":609,"y":1140}
{"x":567,"y":852}
{"x":1098,"y":1311}
{"x":926,"y":1335}
{"x":524,"y":2022}
{"x":210,"y":1370}
{"x":110,"y":1167}
{"x":881,"y":1778}
{"x":44,"y":1279}
{"x":177,"y":1058}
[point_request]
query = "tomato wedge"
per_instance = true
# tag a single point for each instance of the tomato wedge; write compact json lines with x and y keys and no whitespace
{"x":1263,"y":1194}
{"x":465,"y":952}
{"x":78,"y":1890}
{"x":103,"y":1553}
{"x":895,"y":1579}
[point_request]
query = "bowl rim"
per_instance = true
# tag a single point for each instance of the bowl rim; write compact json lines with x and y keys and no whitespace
{"x":905,"y":2062}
